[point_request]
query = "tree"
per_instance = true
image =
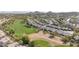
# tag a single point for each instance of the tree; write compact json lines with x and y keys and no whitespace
{"x":31,"y":44}
{"x":11,"y":31}
{"x":24,"y":40}
{"x":67,"y":38}
{"x":74,"y":21}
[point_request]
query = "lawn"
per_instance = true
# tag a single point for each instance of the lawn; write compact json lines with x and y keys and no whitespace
{"x":19,"y":28}
{"x":40,"y":43}
{"x":63,"y":46}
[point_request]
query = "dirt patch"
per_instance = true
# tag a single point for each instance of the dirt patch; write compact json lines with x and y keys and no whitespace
{"x":55,"y":41}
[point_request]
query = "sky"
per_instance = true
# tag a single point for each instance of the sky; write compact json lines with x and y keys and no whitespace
{"x":40,"y":5}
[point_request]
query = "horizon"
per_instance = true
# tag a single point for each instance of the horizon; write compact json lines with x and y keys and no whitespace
{"x":39,"y":5}
{"x":37,"y":11}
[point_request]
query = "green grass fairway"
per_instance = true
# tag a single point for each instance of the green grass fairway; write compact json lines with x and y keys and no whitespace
{"x":40,"y":43}
{"x":20,"y":29}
